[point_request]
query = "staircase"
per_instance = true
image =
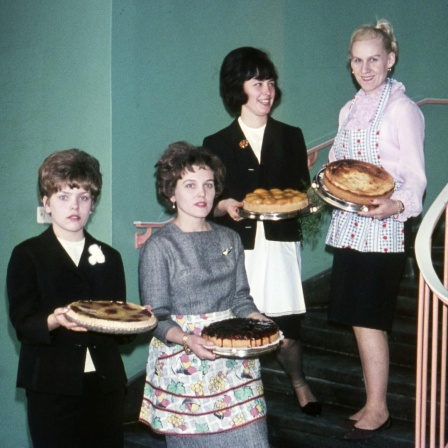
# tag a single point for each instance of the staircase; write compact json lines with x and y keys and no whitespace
{"x":334,"y":373}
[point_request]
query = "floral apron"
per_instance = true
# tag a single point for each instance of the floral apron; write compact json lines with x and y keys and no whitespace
{"x":185,"y":395}
{"x":347,"y":229}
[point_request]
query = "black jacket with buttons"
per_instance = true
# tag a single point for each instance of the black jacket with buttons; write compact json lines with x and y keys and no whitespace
{"x":41,"y":277}
{"x":283,"y":164}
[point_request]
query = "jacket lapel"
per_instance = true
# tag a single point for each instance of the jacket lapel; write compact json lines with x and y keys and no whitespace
{"x":55,"y":250}
{"x":239,"y":142}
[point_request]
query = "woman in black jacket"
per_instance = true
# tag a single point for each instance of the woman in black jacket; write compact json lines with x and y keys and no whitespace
{"x":260,"y":152}
{"x":74,"y":379}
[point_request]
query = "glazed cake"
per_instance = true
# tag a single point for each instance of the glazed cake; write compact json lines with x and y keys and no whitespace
{"x":241,"y":333}
{"x":275,"y":200}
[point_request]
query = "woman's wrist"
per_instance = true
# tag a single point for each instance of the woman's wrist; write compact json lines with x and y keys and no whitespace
{"x":52,"y":322}
{"x":187,"y":349}
{"x":400,"y":209}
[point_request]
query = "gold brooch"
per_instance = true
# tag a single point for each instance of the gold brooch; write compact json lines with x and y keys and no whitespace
{"x":244,"y":144}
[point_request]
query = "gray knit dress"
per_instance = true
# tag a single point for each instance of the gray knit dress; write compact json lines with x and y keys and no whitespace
{"x":192,"y":279}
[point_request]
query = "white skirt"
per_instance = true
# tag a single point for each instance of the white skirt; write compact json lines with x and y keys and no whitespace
{"x":274,"y":273}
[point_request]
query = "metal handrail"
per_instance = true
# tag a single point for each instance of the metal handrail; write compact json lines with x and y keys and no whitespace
{"x":432,"y":329}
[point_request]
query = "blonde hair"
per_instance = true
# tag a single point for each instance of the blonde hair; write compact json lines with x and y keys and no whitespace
{"x":382,"y":29}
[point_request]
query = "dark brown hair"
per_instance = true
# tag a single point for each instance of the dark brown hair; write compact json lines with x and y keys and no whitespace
{"x":180,"y":157}
{"x":71,"y":167}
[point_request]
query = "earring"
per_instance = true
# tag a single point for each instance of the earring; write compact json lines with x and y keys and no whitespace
{"x":174,"y":205}
{"x":389,"y":69}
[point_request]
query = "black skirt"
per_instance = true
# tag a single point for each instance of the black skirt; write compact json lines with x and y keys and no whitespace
{"x":290,"y":325}
{"x":92,"y":420}
{"x":364,"y":288}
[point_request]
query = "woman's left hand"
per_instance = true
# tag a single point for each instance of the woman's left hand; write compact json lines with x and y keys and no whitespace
{"x":258,"y":316}
{"x":381,"y":208}
{"x":229,"y":206}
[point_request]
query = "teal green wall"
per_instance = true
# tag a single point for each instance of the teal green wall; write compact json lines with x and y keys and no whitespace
{"x":55,"y":83}
{"x":122,"y":79}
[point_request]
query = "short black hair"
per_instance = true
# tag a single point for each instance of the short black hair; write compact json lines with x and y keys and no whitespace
{"x":239,"y":66}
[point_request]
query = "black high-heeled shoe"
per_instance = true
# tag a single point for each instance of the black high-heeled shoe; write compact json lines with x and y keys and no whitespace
{"x":361,"y":434}
{"x":313,"y":408}
{"x":347,"y":423}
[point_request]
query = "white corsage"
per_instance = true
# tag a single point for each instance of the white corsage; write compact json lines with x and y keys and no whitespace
{"x":227,"y":251}
{"x":97,"y":255}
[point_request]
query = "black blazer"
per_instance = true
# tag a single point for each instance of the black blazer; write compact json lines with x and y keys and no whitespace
{"x":41,"y":277}
{"x":284,"y":164}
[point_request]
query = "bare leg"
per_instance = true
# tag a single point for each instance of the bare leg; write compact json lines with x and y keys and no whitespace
{"x":374,"y":353}
{"x":291,"y":359}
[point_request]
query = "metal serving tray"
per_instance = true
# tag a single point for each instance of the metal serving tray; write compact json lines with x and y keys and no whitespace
{"x":323,"y":193}
{"x":308,"y":210}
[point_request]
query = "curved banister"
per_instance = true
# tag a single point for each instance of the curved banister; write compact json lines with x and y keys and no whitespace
{"x":312,"y":153}
{"x":432,"y":332}
{"x":423,"y":245}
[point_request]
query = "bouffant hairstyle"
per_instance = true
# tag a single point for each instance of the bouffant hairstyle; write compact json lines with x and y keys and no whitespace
{"x":239,"y":66}
{"x":382,"y":29}
{"x":180,"y":157}
{"x":71,"y":167}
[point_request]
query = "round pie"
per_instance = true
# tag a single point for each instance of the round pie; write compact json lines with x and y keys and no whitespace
{"x":241,"y":333}
{"x":106,"y":316}
{"x":357,"y":182}
{"x":275,"y":200}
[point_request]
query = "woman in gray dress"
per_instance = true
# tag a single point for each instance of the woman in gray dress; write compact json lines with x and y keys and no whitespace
{"x":192,"y":274}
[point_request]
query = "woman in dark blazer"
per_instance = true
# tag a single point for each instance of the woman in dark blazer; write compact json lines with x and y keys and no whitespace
{"x":260,"y":152}
{"x":74,"y":378}
{"x":283,"y":165}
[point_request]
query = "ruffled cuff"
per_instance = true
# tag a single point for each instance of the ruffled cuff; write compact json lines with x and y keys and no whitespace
{"x":412,"y":205}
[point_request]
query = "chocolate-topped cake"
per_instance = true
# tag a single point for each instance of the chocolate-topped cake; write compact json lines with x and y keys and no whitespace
{"x":241,"y":333}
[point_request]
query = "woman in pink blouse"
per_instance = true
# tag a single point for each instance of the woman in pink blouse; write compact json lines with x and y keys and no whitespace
{"x":380,"y":125}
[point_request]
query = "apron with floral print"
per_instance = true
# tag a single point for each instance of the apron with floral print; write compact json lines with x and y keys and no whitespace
{"x":347,"y":229}
{"x":185,"y":395}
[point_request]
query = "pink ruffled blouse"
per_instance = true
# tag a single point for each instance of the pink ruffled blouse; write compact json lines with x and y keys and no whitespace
{"x":401,"y":142}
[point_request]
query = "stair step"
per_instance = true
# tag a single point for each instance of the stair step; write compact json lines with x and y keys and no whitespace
{"x":337,"y":379}
{"x":319,"y":333}
{"x":289,"y":427}
{"x":138,"y":435}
